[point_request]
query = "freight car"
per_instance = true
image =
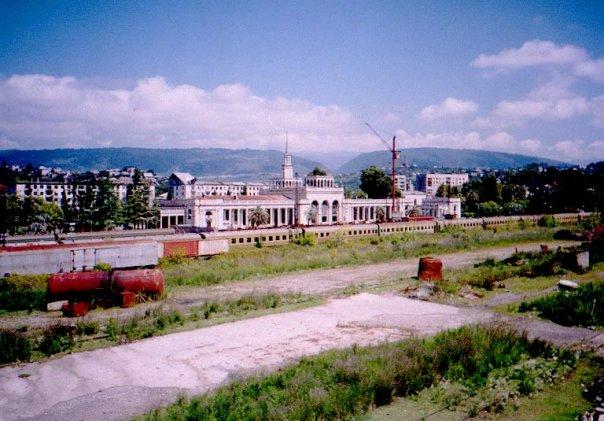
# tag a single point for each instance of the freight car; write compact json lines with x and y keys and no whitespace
{"x":86,"y":290}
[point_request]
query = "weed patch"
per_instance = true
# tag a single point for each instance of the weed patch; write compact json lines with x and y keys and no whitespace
{"x":339,"y":384}
{"x":582,"y":307}
{"x":23,"y":292}
{"x":244,"y":263}
{"x":14,"y":346}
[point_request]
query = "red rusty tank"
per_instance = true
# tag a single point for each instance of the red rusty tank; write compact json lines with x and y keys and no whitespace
{"x":430,"y":269}
{"x":77,"y":283}
{"x":149,"y":281}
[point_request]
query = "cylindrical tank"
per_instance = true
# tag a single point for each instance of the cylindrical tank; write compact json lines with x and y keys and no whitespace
{"x":430,"y":269}
{"x":150,"y":281}
{"x":77,"y":283}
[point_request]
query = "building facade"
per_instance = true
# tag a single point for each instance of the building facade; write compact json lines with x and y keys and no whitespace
{"x":288,"y":200}
{"x":434,"y":180}
{"x":185,"y":186}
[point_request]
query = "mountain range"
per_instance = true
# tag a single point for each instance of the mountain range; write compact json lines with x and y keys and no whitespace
{"x":253,"y":163}
{"x":241,"y":163}
{"x":427,"y":158}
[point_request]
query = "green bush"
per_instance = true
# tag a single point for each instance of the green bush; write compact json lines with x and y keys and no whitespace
{"x":175,"y":259}
{"x":307,"y":239}
{"x":87,"y":327}
{"x":582,"y":307}
{"x":14,"y":346}
{"x":57,"y":338}
{"x":341,"y":383}
{"x":547,"y":221}
{"x":105,"y":267}
{"x":23,"y":292}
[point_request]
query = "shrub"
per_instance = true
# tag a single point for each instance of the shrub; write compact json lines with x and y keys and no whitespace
{"x":582,"y":307}
{"x":14,"y":346}
{"x":174,"y":259}
{"x":87,"y":327}
{"x":23,"y":292}
{"x":106,"y":267}
{"x":57,"y":338}
{"x":547,"y":221}
{"x":112,"y":329}
{"x":307,"y":239}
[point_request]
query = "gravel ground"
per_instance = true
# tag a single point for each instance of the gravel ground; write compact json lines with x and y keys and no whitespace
{"x":323,"y":282}
{"x":121,"y":381}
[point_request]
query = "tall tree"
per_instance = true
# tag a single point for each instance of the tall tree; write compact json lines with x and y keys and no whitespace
{"x":50,"y":215}
{"x":136,"y":209}
{"x":108,"y":207}
{"x":375,"y":183}
{"x":258,"y":217}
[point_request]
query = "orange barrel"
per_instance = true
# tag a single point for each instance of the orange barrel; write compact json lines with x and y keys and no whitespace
{"x":430,"y":269}
{"x":77,"y":283}
{"x":150,"y":281}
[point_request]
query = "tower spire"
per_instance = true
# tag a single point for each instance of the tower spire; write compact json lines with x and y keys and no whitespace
{"x":286,"y":144}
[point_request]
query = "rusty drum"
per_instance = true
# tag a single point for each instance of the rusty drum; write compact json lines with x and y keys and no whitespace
{"x":148,"y":281}
{"x":76,"y":283}
{"x":430,"y":269}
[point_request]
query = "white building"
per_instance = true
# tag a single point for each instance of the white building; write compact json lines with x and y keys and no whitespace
{"x":312,"y":200}
{"x":183,"y":185}
{"x":434,"y":180}
{"x":441,"y":207}
{"x":52,"y":191}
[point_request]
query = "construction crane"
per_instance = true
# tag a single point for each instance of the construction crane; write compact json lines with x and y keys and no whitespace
{"x":395,"y":155}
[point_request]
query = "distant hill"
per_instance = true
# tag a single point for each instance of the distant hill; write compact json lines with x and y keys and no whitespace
{"x":242,"y":163}
{"x":448,"y":158}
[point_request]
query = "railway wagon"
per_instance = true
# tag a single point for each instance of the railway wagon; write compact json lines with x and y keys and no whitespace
{"x":42,"y":259}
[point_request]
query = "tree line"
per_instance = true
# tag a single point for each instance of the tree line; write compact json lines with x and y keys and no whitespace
{"x":529,"y":190}
{"x":92,"y":206}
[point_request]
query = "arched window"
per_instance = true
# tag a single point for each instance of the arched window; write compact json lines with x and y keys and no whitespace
{"x":335,"y":210}
{"x":324,"y":211}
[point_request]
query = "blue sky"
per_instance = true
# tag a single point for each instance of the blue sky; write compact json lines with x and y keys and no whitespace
{"x":512,"y":76}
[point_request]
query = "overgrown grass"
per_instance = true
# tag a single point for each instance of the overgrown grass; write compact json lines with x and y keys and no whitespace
{"x":60,"y":338}
{"x":22,"y":292}
{"x":490,"y":273}
{"x":242,"y":263}
{"x":534,"y":388}
{"x":339,"y":384}
{"x":582,"y":307}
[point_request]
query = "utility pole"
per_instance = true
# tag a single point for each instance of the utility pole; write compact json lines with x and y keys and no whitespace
{"x":395,"y":155}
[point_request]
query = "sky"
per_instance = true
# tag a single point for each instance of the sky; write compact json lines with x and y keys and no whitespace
{"x":513,"y":76}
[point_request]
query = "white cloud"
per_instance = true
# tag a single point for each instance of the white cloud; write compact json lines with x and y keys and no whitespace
{"x":7,"y":144}
{"x":551,"y":101}
{"x":539,"y":53}
{"x":566,"y":150}
{"x":593,"y":69}
{"x":391,"y":118}
{"x":449,"y":108}
{"x":532,"y":53}
{"x":44,"y":111}
{"x":597,"y":106}
{"x":531,"y":146}
{"x":540,"y":109}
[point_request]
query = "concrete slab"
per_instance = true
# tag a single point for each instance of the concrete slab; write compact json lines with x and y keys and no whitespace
{"x":118,"y":382}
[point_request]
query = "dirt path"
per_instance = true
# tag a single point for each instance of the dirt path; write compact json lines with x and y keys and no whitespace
{"x":124,"y":380}
{"x":323,"y":282}
{"x":329,"y":281}
{"x":118,"y":382}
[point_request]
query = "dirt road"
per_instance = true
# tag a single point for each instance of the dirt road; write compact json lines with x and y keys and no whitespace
{"x":324,"y":282}
{"x":118,"y":382}
{"x":124,"y":380}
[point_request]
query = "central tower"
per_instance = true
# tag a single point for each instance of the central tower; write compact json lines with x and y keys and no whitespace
{"x":287,"y":169}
